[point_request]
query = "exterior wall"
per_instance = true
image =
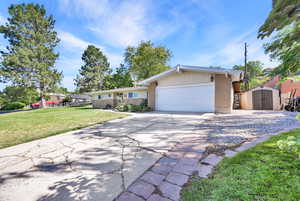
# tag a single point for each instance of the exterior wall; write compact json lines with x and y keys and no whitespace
{"x":246,"y":98}
{"x":223,"y":94}
{"x":56,"y":98}
{"x":151,"y":95}
{"x":289,"y":85}
{"x":184,"y":78}
{"x":273,"y":82}
{"x":134,"y":101}
{"x":102,"y":103}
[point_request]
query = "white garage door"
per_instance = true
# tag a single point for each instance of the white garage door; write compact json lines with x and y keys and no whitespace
{"x":196,"y":98}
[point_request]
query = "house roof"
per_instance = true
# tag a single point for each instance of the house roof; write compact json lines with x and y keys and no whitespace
{"x":238,"y":75}
{"x":117,"y":90}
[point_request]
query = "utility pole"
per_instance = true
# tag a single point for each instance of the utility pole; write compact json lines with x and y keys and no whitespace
{"x":246,"y":70}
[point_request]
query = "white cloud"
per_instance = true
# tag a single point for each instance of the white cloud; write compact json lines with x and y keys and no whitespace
{"x":73,"y":44}
{"x":2,"y":20}
{"x":124,"y":23}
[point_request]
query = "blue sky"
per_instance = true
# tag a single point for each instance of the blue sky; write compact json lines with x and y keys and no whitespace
{"x":198,"y":32}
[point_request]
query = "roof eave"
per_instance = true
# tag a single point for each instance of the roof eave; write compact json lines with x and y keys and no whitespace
{"x":180,"y":68}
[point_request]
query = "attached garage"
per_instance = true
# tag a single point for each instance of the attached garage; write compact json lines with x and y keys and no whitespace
{"x":187,"y":98}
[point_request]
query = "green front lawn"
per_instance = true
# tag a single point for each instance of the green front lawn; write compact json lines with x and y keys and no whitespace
{"x":20,"y":127}
{"x":263,"y":173}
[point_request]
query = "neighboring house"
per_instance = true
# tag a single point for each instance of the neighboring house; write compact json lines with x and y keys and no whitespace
{"x":273,"y":83}
{"x":181,"y":88}
{"x":56,"y":97}
{"x":285,"y":87}
{"x":78,"y":98}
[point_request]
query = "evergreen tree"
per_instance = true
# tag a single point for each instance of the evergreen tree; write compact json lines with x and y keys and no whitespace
{"x":92,"y":73}
{"x":30,"y":57}
{"x":147,"y":60}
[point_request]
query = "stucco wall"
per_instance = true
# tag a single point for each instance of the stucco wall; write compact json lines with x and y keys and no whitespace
{"x":184,"y":78}
{"x":151,"y":95}
{"x":223,"y":94}
{"x":246,"y":98}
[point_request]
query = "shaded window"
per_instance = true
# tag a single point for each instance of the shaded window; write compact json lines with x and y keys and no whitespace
{"x":99,"y":96}
{"x":109,"y":95}
{"x":132,"y":94}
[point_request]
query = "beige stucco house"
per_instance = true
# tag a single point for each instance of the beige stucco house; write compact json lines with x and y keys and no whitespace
{"x":181,"y":88}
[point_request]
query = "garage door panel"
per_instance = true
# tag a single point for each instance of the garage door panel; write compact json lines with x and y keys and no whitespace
{"x":198,"y":98}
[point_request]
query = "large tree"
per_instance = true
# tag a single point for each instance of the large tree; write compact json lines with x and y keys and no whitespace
{"x":254,"y":68}
{"x":19,"y":94}
{"x":120,"y":79}
{"x":147,"y":60}
{"x":30,"y":57}
{"x":255,"y":72}
{"x":92,"y":73}
{"x":285,"y":46}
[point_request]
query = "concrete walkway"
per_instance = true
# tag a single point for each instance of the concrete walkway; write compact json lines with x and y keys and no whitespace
{"x":100,"y":162}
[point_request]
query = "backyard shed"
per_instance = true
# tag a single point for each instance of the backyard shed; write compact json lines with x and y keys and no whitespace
{"x":260,"y":98}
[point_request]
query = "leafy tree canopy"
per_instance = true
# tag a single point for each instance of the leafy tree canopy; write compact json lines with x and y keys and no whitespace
{"x":147,"y":60}
{"x":285,"y":46}
{"x":120,"y":79}
{"x":255,"y":73}
{"x":254,"y":68}
{"x":92,"y":73}
{"x":284,"y":12}
{"x":19,"y":94}
{"x":30,"y":57}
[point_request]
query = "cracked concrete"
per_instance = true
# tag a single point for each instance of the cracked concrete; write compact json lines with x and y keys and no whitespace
{"x":99,"y":162}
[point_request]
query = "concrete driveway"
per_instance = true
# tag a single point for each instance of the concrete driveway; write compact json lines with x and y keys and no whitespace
{"x":99,"y":162}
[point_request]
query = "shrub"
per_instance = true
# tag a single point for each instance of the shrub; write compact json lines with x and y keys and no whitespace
{"x":13,"y":106}
{"x":144,"y":103}
{"x":290,"y":145}
{"x":108,"y":106}
{"x":67,"y":99}
{"x":133,"y":108}
{"x":122,"y":108}
{"x":146,"y":109}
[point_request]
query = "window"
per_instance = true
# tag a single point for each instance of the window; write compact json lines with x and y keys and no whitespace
{"x":99,"y":96}
{"x":109,"y":95}
{"x":132,"y":95}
